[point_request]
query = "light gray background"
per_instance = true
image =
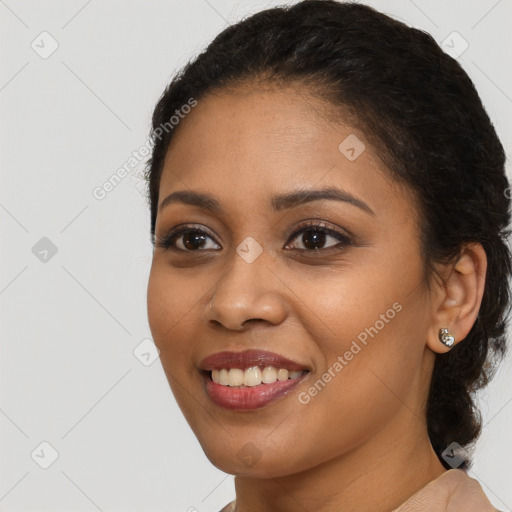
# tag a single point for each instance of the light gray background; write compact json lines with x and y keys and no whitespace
{"x":69,"y":325}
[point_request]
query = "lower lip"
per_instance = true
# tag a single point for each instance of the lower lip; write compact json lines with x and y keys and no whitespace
{"x":248,"y":398}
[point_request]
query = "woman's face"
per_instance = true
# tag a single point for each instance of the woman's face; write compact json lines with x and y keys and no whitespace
{"x":349,"y":306}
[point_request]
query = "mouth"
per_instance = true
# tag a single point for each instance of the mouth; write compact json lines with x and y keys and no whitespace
{"x":253,"y":376}
{"x":249,"y":380}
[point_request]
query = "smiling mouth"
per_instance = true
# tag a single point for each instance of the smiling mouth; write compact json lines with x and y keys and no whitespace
{"x":250,"y":379}
{"x":264,"y":386}
{"x":253,"y":376}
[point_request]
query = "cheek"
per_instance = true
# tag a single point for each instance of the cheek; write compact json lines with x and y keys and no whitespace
{"x":347,"y":304}
{"x":170,"y":303}
{"x":368,"y":328}
{"x":171,"y":296}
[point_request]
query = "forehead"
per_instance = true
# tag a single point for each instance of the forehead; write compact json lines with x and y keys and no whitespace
{"x":279,"y":124}
{"x":242,"y":144}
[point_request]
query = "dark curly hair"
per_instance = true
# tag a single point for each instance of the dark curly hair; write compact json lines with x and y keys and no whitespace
{"x":422,"y":113}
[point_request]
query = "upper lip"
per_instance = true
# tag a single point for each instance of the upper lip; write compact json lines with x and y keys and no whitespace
{"x":248,"y":358}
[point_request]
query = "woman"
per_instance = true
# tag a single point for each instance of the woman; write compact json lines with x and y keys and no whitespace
{"x":329,"y":210}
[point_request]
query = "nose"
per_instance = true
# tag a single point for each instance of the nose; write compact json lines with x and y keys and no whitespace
{"x":246,"y":293}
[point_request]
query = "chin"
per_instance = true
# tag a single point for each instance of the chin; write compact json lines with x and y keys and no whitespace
{"x":246,"y":459}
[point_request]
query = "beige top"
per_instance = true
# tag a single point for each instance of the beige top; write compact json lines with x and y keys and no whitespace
{"x":454,"y":487}
{"x":230,"y":507}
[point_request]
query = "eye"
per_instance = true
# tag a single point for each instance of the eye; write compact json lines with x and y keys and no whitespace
{"x":189,"y":238}
{"x":315,"y":234}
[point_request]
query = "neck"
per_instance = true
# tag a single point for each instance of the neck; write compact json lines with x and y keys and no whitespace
{"x":379,"y":476}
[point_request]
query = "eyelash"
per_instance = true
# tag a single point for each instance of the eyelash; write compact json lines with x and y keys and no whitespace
{"x":166,"y":242}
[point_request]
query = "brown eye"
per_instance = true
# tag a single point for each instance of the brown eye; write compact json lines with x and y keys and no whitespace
{"x":187,"y":239}
{"x":315,"y":236}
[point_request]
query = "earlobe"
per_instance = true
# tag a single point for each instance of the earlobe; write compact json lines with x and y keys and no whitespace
{"x":460,"y":296}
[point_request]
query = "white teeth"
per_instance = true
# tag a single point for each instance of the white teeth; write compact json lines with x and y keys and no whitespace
{"x":282,"y":374}
{"x":235,"y":377}
{"x":253,"y":376}
{"x":223,"y":377}
{"x":269,"y":375}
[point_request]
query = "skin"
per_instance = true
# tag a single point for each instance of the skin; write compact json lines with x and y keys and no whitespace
{"x":361,"y":443}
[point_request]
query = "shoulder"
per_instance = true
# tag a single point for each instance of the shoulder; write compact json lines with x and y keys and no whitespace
{"x":453,"y":490}
{"x":230,"y":507}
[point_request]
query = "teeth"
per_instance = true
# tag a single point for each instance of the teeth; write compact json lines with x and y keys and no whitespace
{"x":223,"y":377}
{"x":269,"y":375}
{"x":253,"y":376}
{"x":282,"y":374}
{"x":235,"y":377}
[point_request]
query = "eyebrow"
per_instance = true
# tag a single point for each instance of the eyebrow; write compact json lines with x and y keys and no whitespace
{"x":277,"y":203}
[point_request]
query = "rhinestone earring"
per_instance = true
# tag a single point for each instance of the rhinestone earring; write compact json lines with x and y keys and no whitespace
{"x":446,"y":338}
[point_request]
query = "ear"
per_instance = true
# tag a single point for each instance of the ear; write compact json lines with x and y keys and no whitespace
{"x":457,"y":296}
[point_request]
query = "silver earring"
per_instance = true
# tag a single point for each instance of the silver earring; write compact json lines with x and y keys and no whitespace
{"x":446,"y":338}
